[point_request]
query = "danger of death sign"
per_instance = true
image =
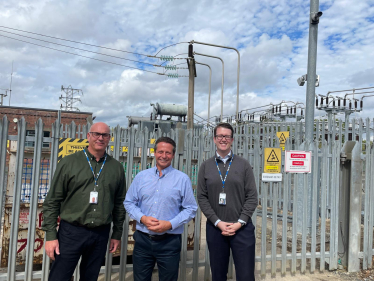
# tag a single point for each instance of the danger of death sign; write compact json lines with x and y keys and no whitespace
{"x":298,"y":161}
{"x":272,"y":160}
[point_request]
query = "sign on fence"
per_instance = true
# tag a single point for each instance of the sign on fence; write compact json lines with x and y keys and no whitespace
{"x":123,"y":148}
{"x":67,"y":146}
{"x":298,"y":161}
{"x":271,"y":177}
{"x":272,"y":160}
{"x":283,"y":136}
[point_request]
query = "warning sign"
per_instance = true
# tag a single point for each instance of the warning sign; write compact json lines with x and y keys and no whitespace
{"x":298,"y":161}
{"x":283,"y":136}
{"x":272,"y":160}
{"x":152,"y":150}
{"x":124,"y":148}
{"x":67,"y":146}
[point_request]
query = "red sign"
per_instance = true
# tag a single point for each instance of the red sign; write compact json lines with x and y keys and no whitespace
{"x":298,"y":155}
{"x":298,"y":161}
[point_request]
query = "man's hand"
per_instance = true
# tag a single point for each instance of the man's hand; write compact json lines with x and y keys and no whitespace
{"x":114,"y":244}
{"x":224,"y":227}
{"x":233,"y":228}
{"x":161,"y":227}
{"x":51,"y":247}
{"x":149,"y":221}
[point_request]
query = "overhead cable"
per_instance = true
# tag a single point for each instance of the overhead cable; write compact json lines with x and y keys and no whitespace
{"x":81,"y":55}
{"x":92,"y":45}
{"x":167,"y":46}
{"x":77,"y":48}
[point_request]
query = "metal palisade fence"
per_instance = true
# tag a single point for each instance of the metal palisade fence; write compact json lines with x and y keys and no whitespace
{"x":306,"y":222}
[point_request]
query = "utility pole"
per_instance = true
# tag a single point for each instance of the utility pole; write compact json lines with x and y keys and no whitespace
{"x":191,"y":86}
{"x":69,"y":99}
{"x":312,"y":66}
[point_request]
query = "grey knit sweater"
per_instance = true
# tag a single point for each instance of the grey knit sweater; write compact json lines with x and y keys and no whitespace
{"x":240,"y":189}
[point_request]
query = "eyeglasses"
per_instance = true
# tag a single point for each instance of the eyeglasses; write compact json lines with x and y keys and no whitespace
{"x":220,"y":137}
{"x":96,"y":135}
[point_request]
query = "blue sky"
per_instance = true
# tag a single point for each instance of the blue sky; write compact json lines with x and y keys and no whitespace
{"x":272,"y":37}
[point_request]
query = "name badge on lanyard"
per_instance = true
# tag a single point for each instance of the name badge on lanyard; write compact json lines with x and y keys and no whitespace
{"x":222,"y":198}
{"x":222,"y":195}
{"x":94,"y":195}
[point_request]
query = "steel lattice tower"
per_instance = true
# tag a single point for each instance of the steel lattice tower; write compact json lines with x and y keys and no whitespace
{"x":69,"y":99}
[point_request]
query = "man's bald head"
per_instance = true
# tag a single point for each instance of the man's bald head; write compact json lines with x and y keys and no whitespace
{"x":100,"y":126}
{"x":98,"y":139}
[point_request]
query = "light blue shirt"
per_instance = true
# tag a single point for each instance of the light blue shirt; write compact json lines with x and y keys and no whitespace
{"x":169,"y":197}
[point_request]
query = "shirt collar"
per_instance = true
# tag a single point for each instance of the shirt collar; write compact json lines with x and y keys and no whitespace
{"x":90,"y":156}
{"x":164,"y":171}
{"x":223,"y":158}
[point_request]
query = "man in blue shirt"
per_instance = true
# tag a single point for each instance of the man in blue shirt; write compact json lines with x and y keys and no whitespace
{"x":161,"y":200}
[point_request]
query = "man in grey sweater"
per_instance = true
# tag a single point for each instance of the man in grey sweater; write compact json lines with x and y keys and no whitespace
{"x":227,"y":196}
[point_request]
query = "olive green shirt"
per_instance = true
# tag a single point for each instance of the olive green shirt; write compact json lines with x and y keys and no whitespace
{"x":69,"y":194}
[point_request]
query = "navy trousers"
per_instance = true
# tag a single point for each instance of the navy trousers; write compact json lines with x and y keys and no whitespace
{"x":242,"y":245}
{"x":147,"y":252}
{"x":74,"y":242}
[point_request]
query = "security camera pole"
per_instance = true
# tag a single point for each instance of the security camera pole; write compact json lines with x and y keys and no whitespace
{"x":312,"y":65}
{"x":311,"y":78}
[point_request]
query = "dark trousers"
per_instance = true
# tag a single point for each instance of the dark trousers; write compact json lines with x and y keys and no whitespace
{"x":242,"y":245}
{"x":74,"y":242}
{"x":147,"y":252}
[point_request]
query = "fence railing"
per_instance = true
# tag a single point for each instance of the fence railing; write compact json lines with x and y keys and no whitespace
{"x":297,"y":221}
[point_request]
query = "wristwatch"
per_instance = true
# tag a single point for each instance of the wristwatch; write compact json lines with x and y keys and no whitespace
{"x":242,"y":223}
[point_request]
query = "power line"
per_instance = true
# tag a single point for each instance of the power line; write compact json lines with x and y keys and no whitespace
{"x":77,"y":48}
{"x":80,"y":55}
{"x":168,"y":46}
{"x":92,"y":45}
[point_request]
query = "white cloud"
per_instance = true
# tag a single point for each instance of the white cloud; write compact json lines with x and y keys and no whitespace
{"x":272,"y":37}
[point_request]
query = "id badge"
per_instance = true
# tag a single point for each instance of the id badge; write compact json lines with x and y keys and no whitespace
{"x":94,"y":197}
{"x":222,"y":199}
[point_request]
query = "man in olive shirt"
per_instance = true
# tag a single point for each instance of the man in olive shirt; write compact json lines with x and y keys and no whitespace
{"x":87,"y":192}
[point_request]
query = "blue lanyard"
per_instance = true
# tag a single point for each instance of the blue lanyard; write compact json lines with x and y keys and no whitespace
{"x":228,"y":169}
{"x":98,"y":175}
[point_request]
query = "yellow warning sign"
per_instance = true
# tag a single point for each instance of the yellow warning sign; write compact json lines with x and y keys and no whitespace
{"x":67,"y":146}
{"x":124,"y":148}
{"x":283,"y":136}
{"x":272,"y":160}
{"x":152,"y":150}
